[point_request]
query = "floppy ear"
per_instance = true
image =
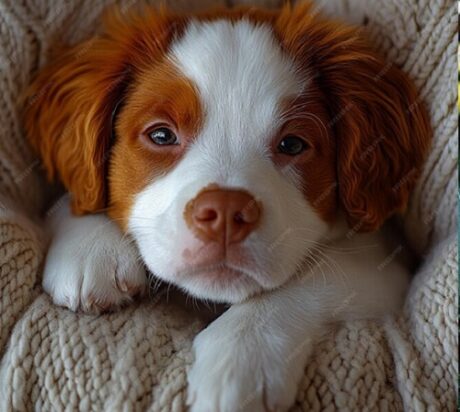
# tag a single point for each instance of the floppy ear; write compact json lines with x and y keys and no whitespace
{"x":68,"y":119}
{"x":381,"y":125}
{"x":68,"y":114}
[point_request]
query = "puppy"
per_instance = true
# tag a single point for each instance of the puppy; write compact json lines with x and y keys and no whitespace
{"x":246,"y":156}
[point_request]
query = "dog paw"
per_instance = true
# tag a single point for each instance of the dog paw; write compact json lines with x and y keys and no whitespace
{"x":91,"y":267}
{"x":240,"y":371}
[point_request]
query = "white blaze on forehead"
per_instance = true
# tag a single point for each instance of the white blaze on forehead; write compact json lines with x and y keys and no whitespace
{"x":242,"y":76}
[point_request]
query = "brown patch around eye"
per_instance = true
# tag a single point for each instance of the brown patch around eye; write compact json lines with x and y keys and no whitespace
{"x":160,"y":95}
{"x":306,"y":117}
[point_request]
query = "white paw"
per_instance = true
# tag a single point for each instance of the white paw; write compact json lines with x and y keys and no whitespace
{"x":237,"y":371}
{"x":91,"y":267}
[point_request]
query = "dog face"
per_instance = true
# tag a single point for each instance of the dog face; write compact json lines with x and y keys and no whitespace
{"x":240,"y":138}
{"x":228,"y":167}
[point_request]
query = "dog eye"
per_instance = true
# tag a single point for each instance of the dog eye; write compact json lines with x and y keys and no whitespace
{"x":292,"y":145}
{"x":163,"y":136}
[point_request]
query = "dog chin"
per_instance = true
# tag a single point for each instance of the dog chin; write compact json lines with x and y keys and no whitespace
{"x":219,"y":283}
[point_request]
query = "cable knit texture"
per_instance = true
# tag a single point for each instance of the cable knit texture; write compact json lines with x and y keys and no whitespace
{"x":53,"y":359}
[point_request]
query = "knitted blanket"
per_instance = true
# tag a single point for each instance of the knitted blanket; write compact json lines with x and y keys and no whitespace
{"x":53,"y":359}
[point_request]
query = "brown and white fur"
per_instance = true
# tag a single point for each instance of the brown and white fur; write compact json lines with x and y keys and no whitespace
{"x":231,"y":86}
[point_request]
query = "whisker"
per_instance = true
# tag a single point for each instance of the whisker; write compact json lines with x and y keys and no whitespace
{"x":337,"y":266}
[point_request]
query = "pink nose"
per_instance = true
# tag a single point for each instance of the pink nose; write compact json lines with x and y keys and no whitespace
{"x":222,"y":215}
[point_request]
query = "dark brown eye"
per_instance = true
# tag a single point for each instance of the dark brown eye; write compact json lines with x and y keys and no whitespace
{"x":292,"y":145}
{"x":163,"y":136}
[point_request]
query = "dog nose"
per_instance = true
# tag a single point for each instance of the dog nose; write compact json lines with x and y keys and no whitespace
{"x":221,"y":215}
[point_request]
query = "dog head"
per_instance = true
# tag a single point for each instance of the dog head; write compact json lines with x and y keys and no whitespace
{"x":229,"y":144}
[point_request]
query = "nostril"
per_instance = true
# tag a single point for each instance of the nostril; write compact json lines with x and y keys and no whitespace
{"x":206,"y":215}
{"x":249,"y":214}
{"x":239,"y":218}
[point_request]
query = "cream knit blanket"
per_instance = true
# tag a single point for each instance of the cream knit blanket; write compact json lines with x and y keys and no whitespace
{"x":53,"y":359}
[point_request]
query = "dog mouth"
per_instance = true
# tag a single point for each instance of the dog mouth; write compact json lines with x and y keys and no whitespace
{"x":227,"y":278}
{"x":220,"y":274}
{"x":220,"y":271}
{"x":218,"y":282}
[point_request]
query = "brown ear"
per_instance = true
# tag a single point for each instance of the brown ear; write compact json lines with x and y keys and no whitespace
{"x":68,"y":120}
{"x":383,"y":138}
{"x":68,"y":114}
{"x":381,"y":125}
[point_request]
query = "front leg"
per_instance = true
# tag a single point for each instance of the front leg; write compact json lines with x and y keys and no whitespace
{"x":90,"y":265}
{"x":253,"y":356}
